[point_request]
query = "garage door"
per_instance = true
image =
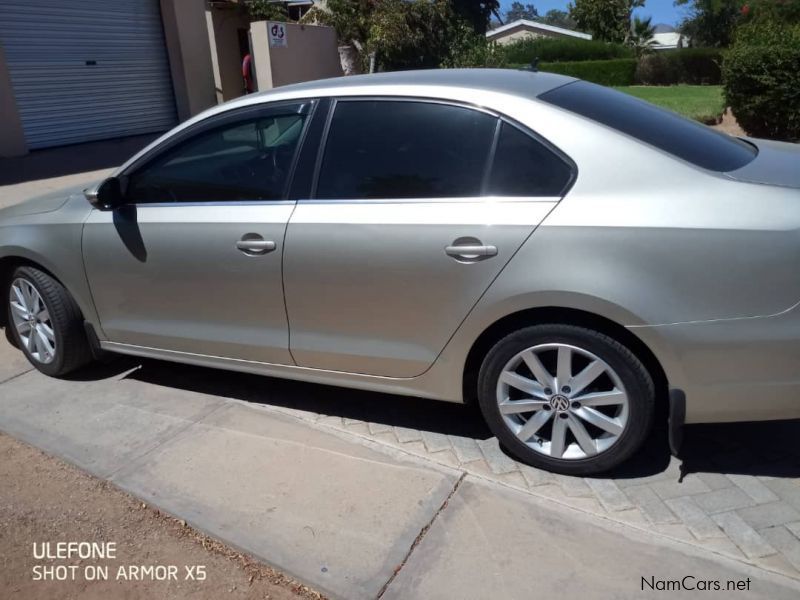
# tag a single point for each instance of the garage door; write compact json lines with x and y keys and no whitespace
{"x":87,"y":69}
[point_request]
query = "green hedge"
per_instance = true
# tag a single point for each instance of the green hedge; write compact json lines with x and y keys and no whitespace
{"x":761,"y":74}
{"x":619,"y":71}
{"x":692,"y":66}
{"x":562,"y":50}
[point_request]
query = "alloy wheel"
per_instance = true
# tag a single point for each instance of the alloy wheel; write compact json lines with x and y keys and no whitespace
{"x":562,"y":401}
{"x":32,"y":321}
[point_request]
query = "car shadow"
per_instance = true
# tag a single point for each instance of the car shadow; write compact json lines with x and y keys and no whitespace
{"x":767,"y":448}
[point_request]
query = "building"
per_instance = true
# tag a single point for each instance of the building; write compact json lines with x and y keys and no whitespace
{"x":80,"y":71}
{"x":525,"y":29}
{"x":75,"y":71}
{"x":672,"y":40}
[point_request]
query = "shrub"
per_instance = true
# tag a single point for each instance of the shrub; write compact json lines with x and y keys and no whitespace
{"x":473,"y":50}
{"x":527,"y":50}
{"x":693,"y":66}
{"x":761,"y":74}
{"x":618,"y":71}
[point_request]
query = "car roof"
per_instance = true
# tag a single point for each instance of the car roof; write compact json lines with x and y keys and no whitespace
{"x":517,"y":82}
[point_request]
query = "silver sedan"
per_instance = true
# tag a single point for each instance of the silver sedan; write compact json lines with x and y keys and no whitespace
{"x":567,"y":256}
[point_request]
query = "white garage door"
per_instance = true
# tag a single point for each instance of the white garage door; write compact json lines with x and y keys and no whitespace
{"x":87,"y":69}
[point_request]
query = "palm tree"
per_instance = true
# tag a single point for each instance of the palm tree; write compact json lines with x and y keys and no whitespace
{"x":641,"y":35}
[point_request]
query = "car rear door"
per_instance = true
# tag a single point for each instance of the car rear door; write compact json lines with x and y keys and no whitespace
{"x":417,"y":207}
{"x":192,"y":262}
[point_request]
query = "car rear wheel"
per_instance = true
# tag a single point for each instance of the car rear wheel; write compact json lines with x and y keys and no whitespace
{"x":566,"y":399}
{"x":46,"y":323}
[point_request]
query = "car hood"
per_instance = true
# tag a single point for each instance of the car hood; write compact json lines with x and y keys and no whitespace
{"x":43,"y":204}
{"x":777,"y":163}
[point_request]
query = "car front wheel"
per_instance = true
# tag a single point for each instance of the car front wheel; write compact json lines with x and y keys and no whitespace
{"x":46,"y":323}
{"x":566,"y":399}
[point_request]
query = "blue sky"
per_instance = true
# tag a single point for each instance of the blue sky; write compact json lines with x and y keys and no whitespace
{"x":662,"y":11}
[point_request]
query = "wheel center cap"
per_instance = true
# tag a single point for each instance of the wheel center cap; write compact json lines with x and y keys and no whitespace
{"x":559,"y":403}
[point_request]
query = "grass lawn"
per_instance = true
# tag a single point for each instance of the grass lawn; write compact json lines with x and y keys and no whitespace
{"x":703,"y":103}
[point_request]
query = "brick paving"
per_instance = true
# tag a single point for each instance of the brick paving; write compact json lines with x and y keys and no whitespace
{"x":735,"y":490}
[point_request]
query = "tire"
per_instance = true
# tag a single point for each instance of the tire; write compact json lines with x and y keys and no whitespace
{"x":63,"y":328}
{"x":542,"y":431}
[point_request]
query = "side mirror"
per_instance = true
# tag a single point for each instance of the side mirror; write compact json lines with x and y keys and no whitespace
{"x":107,"y":195}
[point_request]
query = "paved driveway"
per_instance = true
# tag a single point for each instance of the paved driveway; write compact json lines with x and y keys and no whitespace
{"x":338,"y":487}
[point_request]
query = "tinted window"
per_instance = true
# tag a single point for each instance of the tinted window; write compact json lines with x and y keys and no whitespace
{"x":396,"y":149}
{"x":663,"y":129}
{"x":523,"y":166}
{"x":245,"y":160}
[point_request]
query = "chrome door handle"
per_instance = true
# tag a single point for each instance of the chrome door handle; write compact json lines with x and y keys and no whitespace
{"x":254,"y":247}
{"x":470,"y":252}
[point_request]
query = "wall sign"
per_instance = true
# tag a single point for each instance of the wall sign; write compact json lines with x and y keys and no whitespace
{"x":277,"y":34}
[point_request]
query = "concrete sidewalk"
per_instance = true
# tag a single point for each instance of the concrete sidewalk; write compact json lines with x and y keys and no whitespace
{"x":348,"y":516}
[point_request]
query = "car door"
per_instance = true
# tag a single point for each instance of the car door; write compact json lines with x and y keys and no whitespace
{"x":417,"y":207}
{"x":192,"y":262}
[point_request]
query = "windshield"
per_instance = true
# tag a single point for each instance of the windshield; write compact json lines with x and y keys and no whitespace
{"x":661,"y":128}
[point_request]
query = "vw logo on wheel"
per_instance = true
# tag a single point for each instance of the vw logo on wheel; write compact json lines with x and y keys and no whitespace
{"x":559,"y":402}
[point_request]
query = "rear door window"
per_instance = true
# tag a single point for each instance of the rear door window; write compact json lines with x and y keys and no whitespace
{"x":405,"y":149}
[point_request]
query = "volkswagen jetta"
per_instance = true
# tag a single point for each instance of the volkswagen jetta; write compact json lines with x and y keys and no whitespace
{"x":562,"y":253}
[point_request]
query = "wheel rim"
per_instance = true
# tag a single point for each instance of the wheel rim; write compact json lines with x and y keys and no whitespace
{"x":32,"y":321}
{"x":562,"y":401}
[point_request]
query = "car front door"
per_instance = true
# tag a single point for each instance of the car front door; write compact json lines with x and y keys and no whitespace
{"x":417,"y":207}
{"x":192,"y":262}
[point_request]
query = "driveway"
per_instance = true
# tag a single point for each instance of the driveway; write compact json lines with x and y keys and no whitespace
{"x":364,"y":495}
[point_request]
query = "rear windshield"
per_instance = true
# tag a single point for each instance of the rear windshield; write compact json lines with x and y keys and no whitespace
{"x":661,"y":128}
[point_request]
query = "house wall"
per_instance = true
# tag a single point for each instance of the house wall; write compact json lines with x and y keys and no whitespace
{"x":223,"y":34}
{"x":12,"y":138}
{"x":311,"y":53}
{"x":186,"y":36}
{"x":521,"y":33}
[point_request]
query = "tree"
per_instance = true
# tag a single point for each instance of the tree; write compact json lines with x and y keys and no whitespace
{"x":521,"y":11}
{"x":606,"y":20}
{"x":558,"y":18}
{"x":475,"y":12}
{"x":641,"y":36}
{"x":266,"y":10}
{"x":406,"y":34}
{"x":711,"y":22}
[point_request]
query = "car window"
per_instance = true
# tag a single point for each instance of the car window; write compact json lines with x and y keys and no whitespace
{"x":688,"y":140}
{"x":401,"y":149}
{"x":244,"y":160}
{"x":524,"y":166}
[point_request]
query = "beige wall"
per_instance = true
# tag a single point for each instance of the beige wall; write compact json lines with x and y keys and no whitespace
{"x":223,"y":26}
{"x":12,"y":138}
{"x":521,"y":33}
{"x":311,"y":53}
{"x":189,"y":52}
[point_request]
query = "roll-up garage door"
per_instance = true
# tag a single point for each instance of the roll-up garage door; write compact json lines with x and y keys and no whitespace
{"x":86,"y":70}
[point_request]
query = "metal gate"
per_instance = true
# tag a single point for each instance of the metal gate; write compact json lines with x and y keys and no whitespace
{"x":86,"y":70}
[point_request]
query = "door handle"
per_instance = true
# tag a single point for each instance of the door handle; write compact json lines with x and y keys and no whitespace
{"x":470,"y":252}
{"x":255,"y":246}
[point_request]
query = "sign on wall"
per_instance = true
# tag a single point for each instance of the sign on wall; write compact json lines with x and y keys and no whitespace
{"x":277,"y":35}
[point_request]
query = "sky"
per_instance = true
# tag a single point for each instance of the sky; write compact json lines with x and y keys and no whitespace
{"x":662,"y":11}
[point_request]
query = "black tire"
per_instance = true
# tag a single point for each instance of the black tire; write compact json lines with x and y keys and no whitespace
{"x":72,"y":349}
{"x":634,"y":376}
